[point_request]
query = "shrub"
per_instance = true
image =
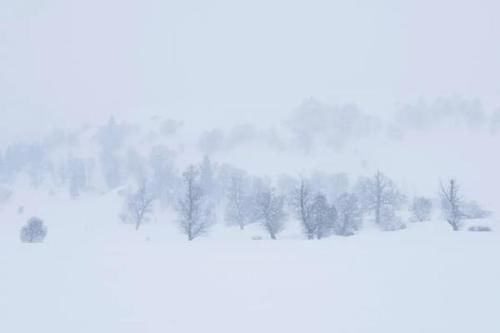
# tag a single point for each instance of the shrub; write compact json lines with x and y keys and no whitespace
{"x":34,"y":231}
{"x":480,"y":228}
{"x":472,"y":210}
{"x":421,"y":209}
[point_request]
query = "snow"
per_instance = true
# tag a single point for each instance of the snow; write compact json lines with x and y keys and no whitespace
{"x":148,"y":89}
{"x":95,"y":274}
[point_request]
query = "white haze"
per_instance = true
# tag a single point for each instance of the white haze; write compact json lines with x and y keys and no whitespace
{"x":224,"y":61}
{"x":334,"y":119}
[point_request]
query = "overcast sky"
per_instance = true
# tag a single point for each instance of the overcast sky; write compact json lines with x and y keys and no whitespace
{"x":228,"y":59}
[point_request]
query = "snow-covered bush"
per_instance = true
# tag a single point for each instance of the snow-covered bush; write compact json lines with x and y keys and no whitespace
{"x":480,"y":228}
{"x":472,"y":210}
{"x":350,"y":215}
{"x":34,"y":231}
{"x":421,"y":209}
{"x":391,"y":221}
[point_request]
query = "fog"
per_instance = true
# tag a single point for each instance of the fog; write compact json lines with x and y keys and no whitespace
{"x":249,"y":166}
{"x":226,"y":62}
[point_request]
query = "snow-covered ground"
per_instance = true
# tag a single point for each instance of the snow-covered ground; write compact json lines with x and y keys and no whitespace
{"x":94,"y":274}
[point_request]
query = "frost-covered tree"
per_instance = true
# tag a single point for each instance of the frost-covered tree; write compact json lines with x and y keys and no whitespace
{"x":112,"y":168}
{"x":112,"y":135}
{"x":316,"y":216}
{"x":34,"y":232}
{"x":207,"y":179}
{"x":135,"y":165}
{"x":239,"y":203}
{"x":349,"y":214}
{"x":289,"y":185}
{"x":269,"y":211}
{"x":452,"y":204}
{"x":421,"y":209}
{"x":195,"y":211}
{"x":76,"y":175}
{"x":165,"y":183}
{"x":314,"y":124}
{"x":111,"y":138}
{"x":380,"y":196}
{"x":138,"y":205}
{"x":323,"y":217}
{"x":331,"y":185}
{"x":30,"y":159}
{"x":38,"y":165}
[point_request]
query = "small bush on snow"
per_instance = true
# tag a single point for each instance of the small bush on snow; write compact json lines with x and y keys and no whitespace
{"x":481,"y":228}
{"x":34,"y":231}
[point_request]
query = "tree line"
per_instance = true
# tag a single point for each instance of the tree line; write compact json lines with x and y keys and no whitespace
{"x":252,"y":200}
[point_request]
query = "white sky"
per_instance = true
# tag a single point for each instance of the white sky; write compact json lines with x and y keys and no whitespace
{"x":228,"y":60}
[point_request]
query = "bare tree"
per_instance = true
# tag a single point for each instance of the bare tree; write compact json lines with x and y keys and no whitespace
{"x":452,"y":204}
{"x":349,"y":215}
{"x":34,"y":231}
{"x":421,"y":209}
{"x":195,"y":213}
{"x":238,"y":207}
{"x":138,"y":205}
{"x":302,"y":204}
{"x":380,"y":195}
{"x":269,"y":211}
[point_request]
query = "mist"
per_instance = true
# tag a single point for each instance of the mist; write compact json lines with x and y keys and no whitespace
{"x":226,"y":62}
{"x":249,"y":166}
